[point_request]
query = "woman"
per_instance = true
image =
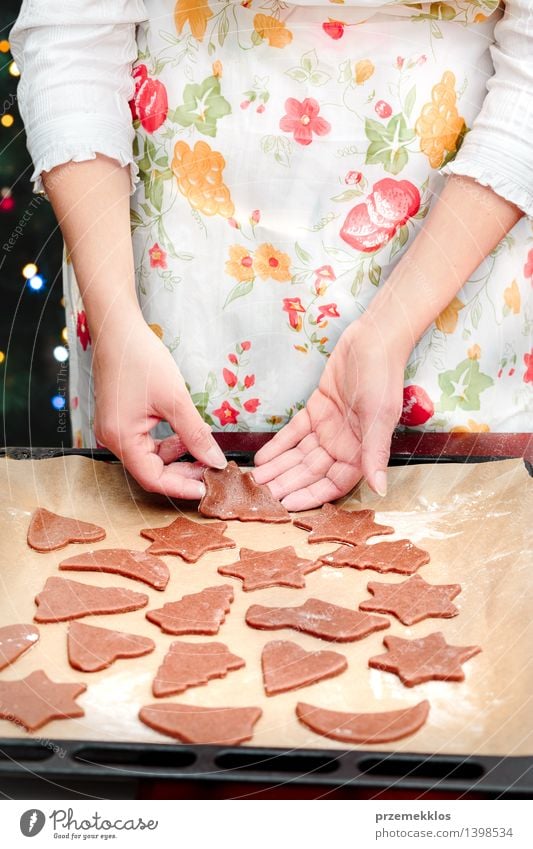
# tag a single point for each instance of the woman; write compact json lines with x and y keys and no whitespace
{"x":278,"y":162}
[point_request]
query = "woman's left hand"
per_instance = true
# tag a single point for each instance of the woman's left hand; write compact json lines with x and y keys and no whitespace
{"x":345,"y":430}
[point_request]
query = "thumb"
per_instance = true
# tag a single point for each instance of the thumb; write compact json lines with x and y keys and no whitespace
{"x":187,"y":423}
{"x":377,"y":425}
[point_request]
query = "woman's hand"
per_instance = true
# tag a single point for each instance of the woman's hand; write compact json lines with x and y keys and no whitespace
{"x":137,"y":384}
{"x":345,"y":430}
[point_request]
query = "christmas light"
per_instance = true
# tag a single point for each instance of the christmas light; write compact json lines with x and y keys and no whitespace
{"x":13,"y":69}
{"x":58,"y":402}
{"x":4,"y":46}
{"x":36,"y":282}
{"x":60,"y":353}
{"x":64,"y":334}
{"x":7,"y":120}
{"x":29,"y":270}
{"x":2,"y":357}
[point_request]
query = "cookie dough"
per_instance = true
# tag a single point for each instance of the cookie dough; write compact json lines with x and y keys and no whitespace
{"x":188,"y":539}
{"x":192,"y":664}
{"x":33,"y":701}
{"x":286,"y":666}
{"x":48,"y":531}
{"x":425,"y":659}
{"x":232,"y":494}
{"x":137,"y":565}
{"x":413,"y":600}
{"x":14,"y":641}
{"x":382,"y":727}
{"x":91,"y":649}
{"x":197,"y":613}
{"x":331,"y":524}
{"x":279,"y":568}
{"x":216,"y":726}
{"x":62,"y":599}
{"x":318,"y":618}
{"x":400,"y":556}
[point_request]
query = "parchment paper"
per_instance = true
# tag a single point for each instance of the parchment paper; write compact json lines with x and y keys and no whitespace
{"x":475,"y":520}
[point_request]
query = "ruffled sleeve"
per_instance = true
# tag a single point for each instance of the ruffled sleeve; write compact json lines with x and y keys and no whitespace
{"x":498,"y":150}
{"x":75,"y":59}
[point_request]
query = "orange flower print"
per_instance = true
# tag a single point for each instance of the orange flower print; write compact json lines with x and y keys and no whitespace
{"x":293,"y":306}
{"x":226,"y":414}
{"x":363,"y":71}
{"x":269,"y":262}
{"x":275,"y":32}
{"x":82,"y":330}
{"x":471,"y":427}
{"x":240,"y":264}
{"x":157,"y":329}
{"x":511,"y":296}
{"x":302,"y":120}
{"x":474,"y":352}
{"x":440,"y":126}
{"x":230,"y":378}
{"x":217,"y":68}
{"x":158,"y":257}
{"x":196,"y":13}
{"x":446,"y":322}
{"x":252,"y":405}
{"x":198,"y":172}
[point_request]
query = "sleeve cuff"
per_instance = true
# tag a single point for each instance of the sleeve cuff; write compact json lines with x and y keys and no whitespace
{"x":60,"y":155}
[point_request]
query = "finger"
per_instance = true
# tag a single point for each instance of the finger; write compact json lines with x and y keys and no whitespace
{"x":186,"y":421}
{"x":286,"y":438}
{"x":171,"y":448}
{"x":152,"y":474}
{"x":283,"y":462}
{"x":195,"y":471}
{"x":344,"y":477}
{"x":313,"y":467}
{"x":376,"y":435}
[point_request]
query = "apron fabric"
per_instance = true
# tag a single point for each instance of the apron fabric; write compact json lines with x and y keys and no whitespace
{"x":288,"y":155}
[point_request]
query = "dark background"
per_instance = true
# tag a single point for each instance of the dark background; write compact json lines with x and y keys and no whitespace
{"x":31,"y":322}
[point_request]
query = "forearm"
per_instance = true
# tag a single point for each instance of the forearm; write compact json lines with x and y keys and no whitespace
{"x":465,"y":225}
{"x":91,"y":202}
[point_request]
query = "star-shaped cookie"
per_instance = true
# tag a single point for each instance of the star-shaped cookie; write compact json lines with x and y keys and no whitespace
{"x":412,"y":600}
{"x":331,"y":524}
{"x":35,"y":700}
{"x":401,"y":556}
{"x":232,"y":494}
{"x":187,"y":539}
{"x":279,"y":568}
{"x":428,"y":658}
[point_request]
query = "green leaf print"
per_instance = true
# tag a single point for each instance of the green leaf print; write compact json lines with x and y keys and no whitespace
{"x":202,"y":107}
{"x":410,"y":102}
{"x":239,"y":291}
{"x":462,"y":386}
{"x":388,"y":144}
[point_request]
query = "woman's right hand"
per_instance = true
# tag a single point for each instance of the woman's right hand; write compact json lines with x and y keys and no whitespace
{"x":137,"y":384}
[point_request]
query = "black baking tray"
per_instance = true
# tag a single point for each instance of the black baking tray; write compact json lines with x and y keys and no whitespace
{"x":47,"y":768}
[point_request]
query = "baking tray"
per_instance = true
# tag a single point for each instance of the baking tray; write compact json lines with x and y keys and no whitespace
{"x":51,"y":765}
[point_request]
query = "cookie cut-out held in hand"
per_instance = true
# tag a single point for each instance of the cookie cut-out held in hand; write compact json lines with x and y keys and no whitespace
{"x":413,"y":600}
{"x":400,"y":556}
{"x":35,"y":700}
{"x":232,"y":494}
{"x":197,"y":613}
{"x":49,"y":531}
{"x":318,"y":618}
{"x":215,"y":726}
{"x":192,"y":664}
{"x":331,"y":524}
{"x":382,"y":727}
{"x":287,"y":666}
{"x":428,"y":658}
{"x":91,"y":649}
{"x":137,"y":565}
{"x":188,"y":539}
{"x":62,"y":599}
{"x":279,"y":568}
{"x":14,"y":641}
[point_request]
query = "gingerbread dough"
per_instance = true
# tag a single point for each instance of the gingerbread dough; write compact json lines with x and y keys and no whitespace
{"x":232,"y":494}
{"x":218,"y":726}
{"x":62,"y":599}
{"x":318,"y":618}
{"x":137,"y":565}
{"x":383,"y":727}
{"x":331,"y":524}
{"x":197,"y":613}
{"x":286,"y":666}
{"x":14,"y":641}
{"x":48,"y":531}
{"x":191,"y":664}
{"x":426,"y":659}
{"x":279,"y":568}
{"x":91,"y":649}
{"x":401,"y":556}
{"x":35,"y":700}
{"x":188,"y":539}
{"x":413,"y":600}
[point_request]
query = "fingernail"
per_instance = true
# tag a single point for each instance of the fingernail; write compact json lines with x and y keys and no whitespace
{"x":216,"y":458}
{"x":380,"y":483}
{"x":201,"y":490}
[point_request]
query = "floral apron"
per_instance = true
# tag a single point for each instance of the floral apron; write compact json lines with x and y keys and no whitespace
{"x":288,"y":155}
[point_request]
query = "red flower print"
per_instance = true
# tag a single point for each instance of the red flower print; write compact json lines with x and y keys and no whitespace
{"x":293,"y":306}
{"x":373,"y":223}
{"x":158,"y":257}
{"x":251,"y":405}
{"x":226,"y":413}
{"x":249,"y":381}
{"x":302,"y":120}
{"x":383,"y":109}
{"x":399,"y":61}
{"x":528,"y":267}
{"x":246,"y":346}
{"x":353,"y":177}
{"x":528,"y":362}
{"x":335,"y":29}
{"x":229,"y":377}
{"x":82,"y":330}
{"x":417,"y":406}
{"x":150,"y":103}
{"x":324,"y":273}
{"x":233,"y":359}
{"x":255,"y":216}
{"x":327,"y":311}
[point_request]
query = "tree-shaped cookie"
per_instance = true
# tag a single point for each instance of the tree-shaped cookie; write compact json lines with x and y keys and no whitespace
{"x":192,"y":664}
{"x":279,"y":568}
{"x":425,"y":659}
{"x":188,"y":539}
{"x":413,"y":600}
{"x":197,"y":613}
{"x":35,"y":700}
{"x":49,"y":531}
{"x":331,"y":524}
{"x":232,"y":494}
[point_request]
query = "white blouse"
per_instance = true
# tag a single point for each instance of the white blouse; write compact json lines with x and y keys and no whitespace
{"x":75,"y":59}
